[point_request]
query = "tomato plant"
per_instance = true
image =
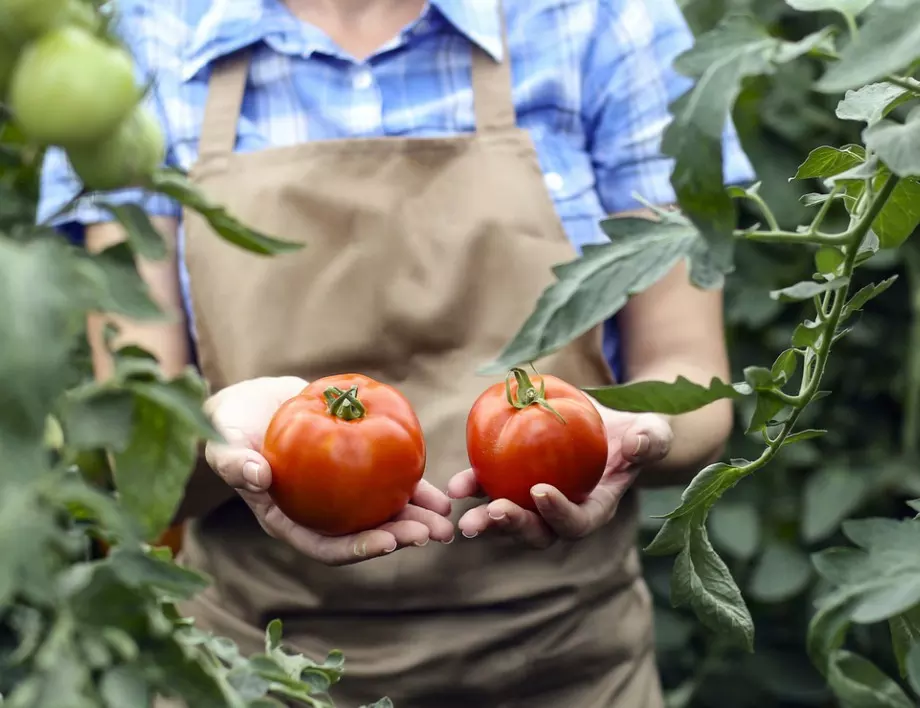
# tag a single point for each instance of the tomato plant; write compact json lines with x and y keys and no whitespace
{"x":346,"y":454}
{"x":27,"y":18}
{"x":519,"y":435}
{"x":70,"y":87}
{"x":866,"y":204}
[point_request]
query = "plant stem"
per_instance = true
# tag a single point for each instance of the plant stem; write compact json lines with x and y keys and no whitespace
{"x":910,"y":425}
{"x":822,"y":213}
{"x":810,"y":384}
{"x":815,"y":239}
{"x":852,"y":27}
{"x":905,"y":83}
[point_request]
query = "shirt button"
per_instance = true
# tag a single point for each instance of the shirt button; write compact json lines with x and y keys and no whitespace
{"x":363,"y":81}
{"x":554,"y":181}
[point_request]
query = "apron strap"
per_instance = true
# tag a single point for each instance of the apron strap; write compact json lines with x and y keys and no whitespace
{"x":225,"y":100}
{"x":493,"y":102}
{"x":492,"y":86}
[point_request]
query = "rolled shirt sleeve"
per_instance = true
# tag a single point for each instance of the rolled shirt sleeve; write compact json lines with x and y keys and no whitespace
{"x":629,"y":84}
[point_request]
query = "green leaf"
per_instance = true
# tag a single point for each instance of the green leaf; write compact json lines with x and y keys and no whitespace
{"x":827,"y":632}
{"x":829,"y":259}
{"x":140,"y":570}
{"x":871,"y":103}
{"x":807,"y":334}
{"x":672,"y":537}
{"x":781,"y":573}
{"x":735,"y":528}
{"x":848,"y":7}
{"x":831,"y":494}
{"x":912,"y":664}
{"x":273,"y":636}
{"x":888,"y":41}
{"x":807,"y":289}
{"x":702,"y":581}
{"x":830,"y":161}
{"x":897,"y":144}
{"x":27,"y":535}
{"x":594,"y":287}
{"x":859,"y":683}
{"x":124,"y":686}
{"x":143,"y":237}
{"x":117,"y":287}
{"x":95,"y":416}
{"x":864,"y":295}
{"x":706,"y":487}
{"x":174,"y":184}
{"x":901,"y":213}
{"x":681,"y":396}
{"x":905,"y":634}
{"x":766,"y":409}
{"x":804,"y":435}
{"x":182,"y":398}
{"x":784,"y":367}
{"x":152,"y":471}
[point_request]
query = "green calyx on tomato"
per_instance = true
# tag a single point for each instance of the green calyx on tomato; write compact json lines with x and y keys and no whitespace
{"x":71,"y":88}
{"x":344,"y":404}
{"x":527,"y":394}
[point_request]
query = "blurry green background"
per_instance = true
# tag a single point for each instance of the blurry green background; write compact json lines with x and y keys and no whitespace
{"x":766,"y":528}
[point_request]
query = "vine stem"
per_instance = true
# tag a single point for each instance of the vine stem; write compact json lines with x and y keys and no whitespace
{"x":812,"y":239}
{"x":907,"y":84}
{"x":809,"y":388}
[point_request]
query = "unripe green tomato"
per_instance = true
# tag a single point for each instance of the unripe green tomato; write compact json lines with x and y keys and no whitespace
{"x":23,"y":19}
{"x":125,"y":158}
{"x":71,"y":88}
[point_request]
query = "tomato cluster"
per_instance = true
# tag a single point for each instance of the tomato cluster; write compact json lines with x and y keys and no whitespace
{"x":348,"y":452}
{"x":68,"y":83}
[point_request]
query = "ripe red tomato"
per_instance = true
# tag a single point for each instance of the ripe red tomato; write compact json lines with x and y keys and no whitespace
{"x":542,"y":431}
{"x":346,"y":454}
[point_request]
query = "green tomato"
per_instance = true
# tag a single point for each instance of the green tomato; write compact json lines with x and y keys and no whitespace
{"x":123,"y":159}
{"x":22,"y":19}
{"x":71,"y":88}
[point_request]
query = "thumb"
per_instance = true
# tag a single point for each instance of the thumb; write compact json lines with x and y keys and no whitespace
{"x":237,"y":463}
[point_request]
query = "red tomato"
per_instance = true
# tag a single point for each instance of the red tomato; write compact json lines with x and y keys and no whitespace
{"x":346,"y":454}
{"x":519,"y":434}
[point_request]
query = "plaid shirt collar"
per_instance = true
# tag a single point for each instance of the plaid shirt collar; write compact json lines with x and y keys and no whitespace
{"x":230,"y":25}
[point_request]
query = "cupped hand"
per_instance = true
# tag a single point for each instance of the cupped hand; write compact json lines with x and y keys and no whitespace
{"x":241,"y":413}
{"x":633,"y":440}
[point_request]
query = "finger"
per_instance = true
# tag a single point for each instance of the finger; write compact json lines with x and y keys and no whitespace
{"x":475,"y":521}
{"x":239,"y":466}
{"x":463,"y":485}
{"x":430,"y":497}
{"x":526,"y":526}
{"x":439,"y":528}
{"x":567,"y":519}
{"x":647,"y":440}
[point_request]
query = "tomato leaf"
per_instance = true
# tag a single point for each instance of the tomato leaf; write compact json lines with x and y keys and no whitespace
{"x":897,"y":144}
{"x":871,"y":103}
{"x":680,"y":396}
{"x":831,"y":494}
{"x":781,"y":573}
{"x":888,"y":41}
{"x":706,"y":487}
{"x":151,"y":472}
{"x":182,"y":398}
{"x":912,"y":667}
{"x":595,"y":286}
{"x":905,"y":636}
{"x":735,"y":527}
{"x":827,"y":631}
{"x":140,"y":570}
{"x":116,"y":287}
{"x":807,"y":289}
{"x":701,"y":580}
{"x":143,"y":237}
{"x":124,"y":685}
{"x":859,"y":683}
{"x":825,"y":161}
{"x":95,"y":416}
{"x":671,"y":537}
{"x":848,"y":7}
{"x":176,"y":185}
{"x":803,"y":435}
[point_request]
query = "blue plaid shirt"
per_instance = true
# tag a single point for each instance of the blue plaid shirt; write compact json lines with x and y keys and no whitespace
{"x":592,"y":83}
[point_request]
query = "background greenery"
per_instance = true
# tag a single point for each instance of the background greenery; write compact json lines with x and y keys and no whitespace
{"x":866,"y":466}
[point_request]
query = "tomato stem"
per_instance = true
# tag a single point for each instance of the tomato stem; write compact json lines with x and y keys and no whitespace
{"x":527,"y":394}
{"x":344,"y":404}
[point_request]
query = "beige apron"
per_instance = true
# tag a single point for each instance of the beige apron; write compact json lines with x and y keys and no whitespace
{"x":423,"y":258}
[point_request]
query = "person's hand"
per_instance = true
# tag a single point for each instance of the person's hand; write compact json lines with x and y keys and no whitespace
{"x":241,"y":413}
{"x":633,"y":440}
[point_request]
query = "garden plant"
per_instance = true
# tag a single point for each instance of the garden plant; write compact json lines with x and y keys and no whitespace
{"x":830,"y":225}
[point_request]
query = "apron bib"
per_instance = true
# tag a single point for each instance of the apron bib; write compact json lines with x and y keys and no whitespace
{"x":423,"y":257}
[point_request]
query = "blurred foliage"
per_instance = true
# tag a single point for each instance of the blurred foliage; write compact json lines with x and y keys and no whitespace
{"x":867,"y":464}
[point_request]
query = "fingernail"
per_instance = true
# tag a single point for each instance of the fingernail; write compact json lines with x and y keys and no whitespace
{"x":540,"y":495}
{"x":251,"y":473}
{"x":470,"y":535}
{"x":422,"y":544}
{"x":641,"y":445}
{"x":497,"y":517}
{"x":390,"y":550}
{"x":448,"y":541}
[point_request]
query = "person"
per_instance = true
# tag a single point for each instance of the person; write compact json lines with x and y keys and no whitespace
{"x":437,"y":158}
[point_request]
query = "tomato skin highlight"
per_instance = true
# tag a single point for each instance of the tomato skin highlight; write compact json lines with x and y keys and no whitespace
{"x":512,"y":449}
{"x":338,"y":476}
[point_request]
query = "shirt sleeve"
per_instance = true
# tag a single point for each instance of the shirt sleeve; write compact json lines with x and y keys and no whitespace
{"x":629,"y":83}
{"x":59,"y":185}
